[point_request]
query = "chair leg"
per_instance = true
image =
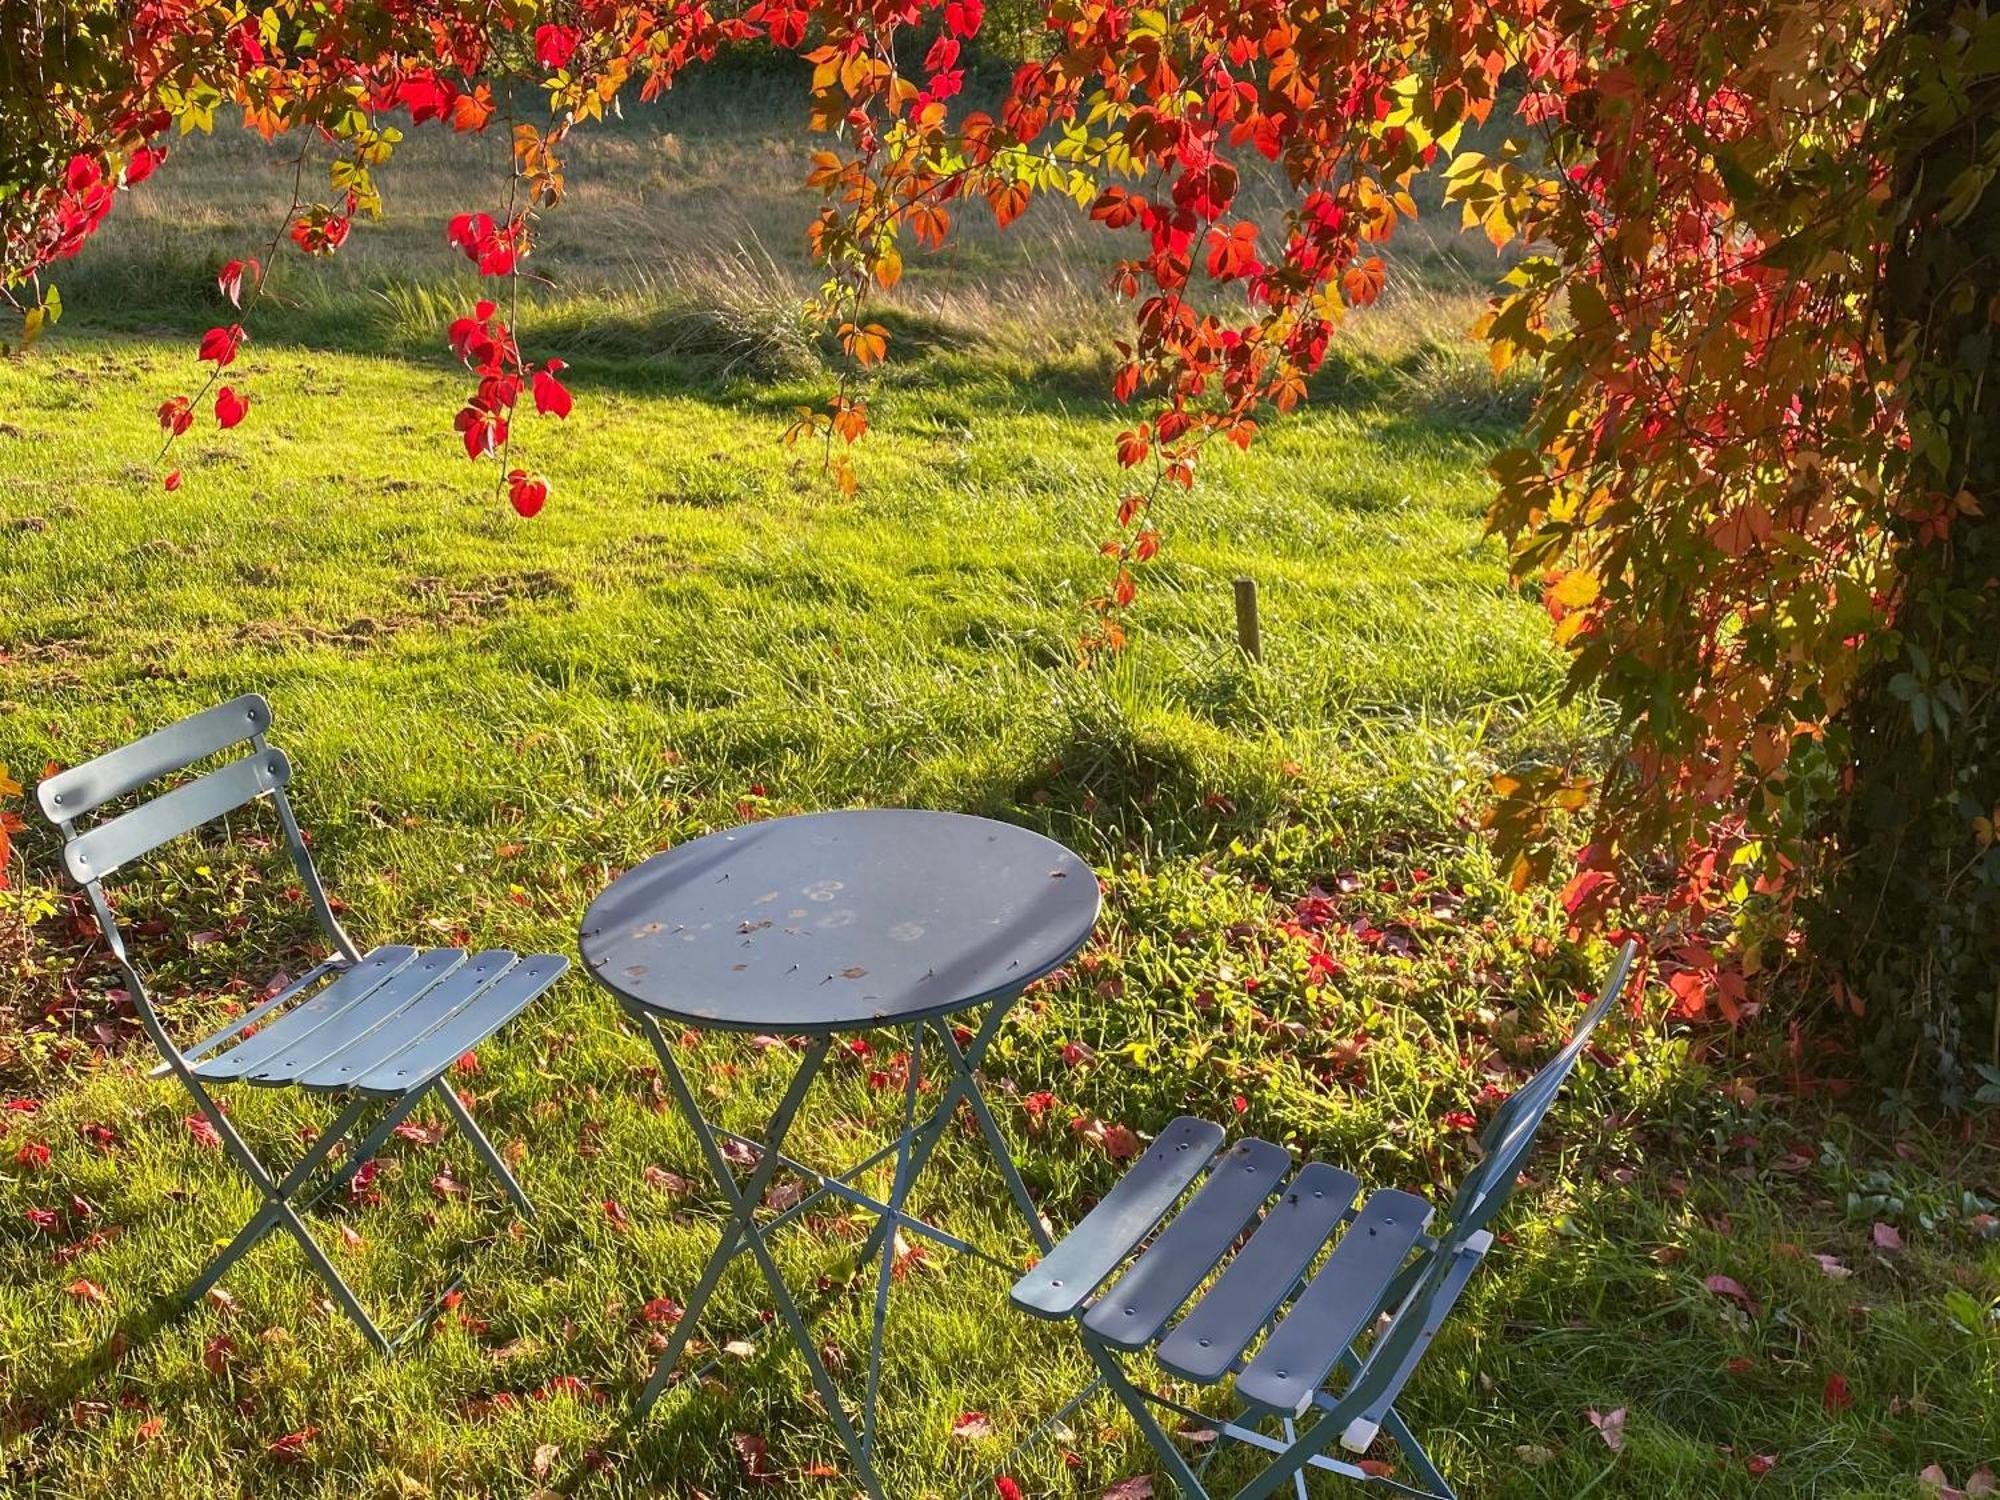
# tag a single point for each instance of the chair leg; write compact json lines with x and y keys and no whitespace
{"x":1134,"y":1401}
{"x":1406,"y":1441}
{"x":277,"y":1210}
{"x":483,"y":1147}
{"x":1292,"y":1436}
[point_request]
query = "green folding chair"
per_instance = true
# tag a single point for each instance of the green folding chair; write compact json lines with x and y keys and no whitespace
{"x":378,"y":1028}
{"x":1324,"y":1356}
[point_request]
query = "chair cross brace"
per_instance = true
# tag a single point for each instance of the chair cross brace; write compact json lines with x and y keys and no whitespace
{"x":920,"y":1134}
{"x":282,"y":1207}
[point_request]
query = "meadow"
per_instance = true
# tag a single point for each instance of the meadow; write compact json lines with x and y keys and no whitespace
{"x":1305,"y":932}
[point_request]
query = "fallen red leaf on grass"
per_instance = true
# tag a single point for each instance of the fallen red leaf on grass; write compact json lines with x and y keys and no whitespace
{"x":754,"y":1454}
{"x":291,"y":1448}
{"x":1007,"y":1489}
{"x":972,"y":1426}
{"x":1725,"y":1286}
{"x":86,"y":1291}
{"x":1836,"y":1396}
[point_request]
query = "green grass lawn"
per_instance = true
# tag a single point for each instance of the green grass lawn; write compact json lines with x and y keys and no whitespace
{"x":489,"y":718}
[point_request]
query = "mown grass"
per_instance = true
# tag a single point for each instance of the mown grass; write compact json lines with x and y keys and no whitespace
{"x":491,"y":717}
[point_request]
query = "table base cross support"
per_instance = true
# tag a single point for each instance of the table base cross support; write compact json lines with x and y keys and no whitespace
{"x":919,"y":1137}
{"x":282,"y":1205}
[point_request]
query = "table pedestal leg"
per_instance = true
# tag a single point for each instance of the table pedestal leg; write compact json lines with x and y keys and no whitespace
{"x":912,"y":1151}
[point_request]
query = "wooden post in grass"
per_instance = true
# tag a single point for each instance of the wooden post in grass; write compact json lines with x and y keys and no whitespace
{"x":1249,"y":630}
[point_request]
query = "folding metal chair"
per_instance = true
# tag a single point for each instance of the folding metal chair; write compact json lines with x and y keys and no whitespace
{"x":380,"y":1028}
{"x":1325,"y":1325}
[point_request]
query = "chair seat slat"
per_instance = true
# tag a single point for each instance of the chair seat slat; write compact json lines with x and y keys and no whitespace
{"x":103,"y":849}
{"x":355,"y":984}
{"x":1090,"y":1252}
{"x":1209,"y":1340}
{"x":396,"y":1033}
{"x":82,"y":789}
{"x":1336,"y":1305}
{"x":470,"y":1025}
{"x":1136,"y":1307}
{"x":1395,"y":1357}
{"x":351,"y":1023}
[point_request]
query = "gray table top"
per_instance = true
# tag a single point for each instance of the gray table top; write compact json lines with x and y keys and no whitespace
{"x":839,"y":921}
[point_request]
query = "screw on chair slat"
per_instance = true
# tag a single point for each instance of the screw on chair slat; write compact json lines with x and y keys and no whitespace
{"x":470,"y":1025}
{"x":349,"y":988}
{"x":1136,"y":1307}
{"x":1126,"y":1215}
{"x":108,"y":846}
{"x":71,"y":794}
{"x":1207,"y":1342}
{"x":351,"y":1023}
{"x":395,"y":1033}
{"x":1343,"y":1297}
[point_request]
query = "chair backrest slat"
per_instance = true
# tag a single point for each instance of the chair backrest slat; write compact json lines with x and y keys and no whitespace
{"x":82,"y":789}
{"x":98,"y":852}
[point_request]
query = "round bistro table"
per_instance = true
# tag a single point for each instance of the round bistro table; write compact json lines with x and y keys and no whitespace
{"x":822,"y":926}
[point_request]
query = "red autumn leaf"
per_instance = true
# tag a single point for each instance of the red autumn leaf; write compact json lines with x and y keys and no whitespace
{"x":972,"y":1426}
{"x":203,"y":1132}
{"x":1140,"y":1487}
{"x":616,"y":1214}
{"x":754,"y":1455}
{"x":662,"y":1310}
{"x":142,"y":163}
{"x":177,"y":415}
{"x":964,"y":16}
{"x":291,"y":1448}
{"x":526,"y":492}
{"x":1363,"y":282}
{"x":44,"y":1220}
{"x":447,"y":1186}
{"x":172,"y":482}
{"x":1836,"y":1396}
{"x":229,"y":281}
{"x":1724,"y":1286}
{"x":149,"y":1429}
{"x":217,"y":1353}
{"x":230,"y":407}
{"x":943,"y":53}
{"x":32,"y":1154}
{"x":661,"y":1180}
{"x":552,"y":398}
{"x":86,"y":1291}
{"x":1007,"y":1488}
{"x":1887,"y":1238}
{"x":555,"y":45}
{"x":219,"y":345}
{"x":1761,"y":1465}
{"x":1120,"y":1144}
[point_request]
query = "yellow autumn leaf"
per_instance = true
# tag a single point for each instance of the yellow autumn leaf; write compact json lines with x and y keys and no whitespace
{"x":1576,"y":589}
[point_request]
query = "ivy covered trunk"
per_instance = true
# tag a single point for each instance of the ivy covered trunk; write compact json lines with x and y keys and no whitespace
{"x":1910,"y":913}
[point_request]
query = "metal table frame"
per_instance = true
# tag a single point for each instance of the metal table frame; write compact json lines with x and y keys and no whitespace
{"x":912,"y":1150}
